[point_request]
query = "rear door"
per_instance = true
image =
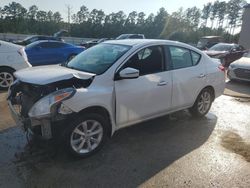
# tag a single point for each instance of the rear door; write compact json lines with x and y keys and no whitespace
{"x":148,"y":95}
{"x":189,"y":76}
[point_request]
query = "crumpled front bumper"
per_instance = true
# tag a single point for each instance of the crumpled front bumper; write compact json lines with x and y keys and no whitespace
{"x":29,"y":123}
{"x":233,"y":76}
{"x":15,"y":115}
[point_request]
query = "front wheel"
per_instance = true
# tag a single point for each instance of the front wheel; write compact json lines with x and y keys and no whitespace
{"x":202,"y":104}
{"x":86,"y":135}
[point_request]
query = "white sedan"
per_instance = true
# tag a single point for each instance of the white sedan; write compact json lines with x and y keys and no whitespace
{"x":113,"y":85}
{"x":240,"y":69}
{"x":12,"y":58}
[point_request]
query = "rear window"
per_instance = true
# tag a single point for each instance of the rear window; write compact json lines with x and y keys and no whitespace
{"x":221,"y":47}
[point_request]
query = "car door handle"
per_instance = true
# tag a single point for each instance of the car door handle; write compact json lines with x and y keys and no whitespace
{"x":201,"y":76}
{"x":162,"y":83}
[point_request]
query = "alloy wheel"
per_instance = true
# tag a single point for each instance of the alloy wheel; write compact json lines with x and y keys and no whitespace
{"x":204,"y":102}
{"x":86,"y":136}
{"x":6,"y":79}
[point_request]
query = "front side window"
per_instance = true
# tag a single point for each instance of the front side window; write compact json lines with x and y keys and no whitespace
{"x":51,"y":45}
{"x":147,"y":61}
{"x":99,"y":58}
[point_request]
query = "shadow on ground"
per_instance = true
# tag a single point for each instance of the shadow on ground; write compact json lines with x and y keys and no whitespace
{"x":129,"y":159}
{"x":237,"y":89}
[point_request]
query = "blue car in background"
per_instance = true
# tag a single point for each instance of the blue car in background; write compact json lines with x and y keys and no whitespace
{"x":51,"y":52}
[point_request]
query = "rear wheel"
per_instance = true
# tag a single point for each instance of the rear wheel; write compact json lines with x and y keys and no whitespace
{"x":202,"y":104}
{"x":86,"y":135}
{"x":6,"y":78}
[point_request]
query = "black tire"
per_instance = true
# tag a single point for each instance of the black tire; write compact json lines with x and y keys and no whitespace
{"x":3,"y":71}
{"x":70,"y":134}
{"x":195,"y":109}
{"x":230,"y":79}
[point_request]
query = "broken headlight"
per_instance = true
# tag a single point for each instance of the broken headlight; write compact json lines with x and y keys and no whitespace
{"x":43,"y":107}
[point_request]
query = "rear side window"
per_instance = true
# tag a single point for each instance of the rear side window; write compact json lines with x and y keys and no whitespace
{"x":183,"y":58}
{"x":195,"y":57}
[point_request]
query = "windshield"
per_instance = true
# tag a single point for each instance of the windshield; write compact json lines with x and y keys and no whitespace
{"x":124,"y":36}
{"x":98,"y":58}
{"x":28,"y":38}
{"x":247,"y":54}
{"x":221,"y":47}
{"x":201,"y":43}
{"x":31,"y":45}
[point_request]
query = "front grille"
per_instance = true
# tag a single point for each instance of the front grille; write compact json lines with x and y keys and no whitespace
{"x":242,"y":73}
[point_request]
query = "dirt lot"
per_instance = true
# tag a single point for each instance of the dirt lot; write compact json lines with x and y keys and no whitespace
{"x":5,"y":119}
{"x":175,"y":151}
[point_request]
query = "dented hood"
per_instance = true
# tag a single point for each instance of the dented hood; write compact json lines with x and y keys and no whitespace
{"x":43,"y":75}
{"x":243,"y":62}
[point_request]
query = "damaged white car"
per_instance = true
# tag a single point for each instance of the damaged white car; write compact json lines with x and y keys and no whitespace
{"x":113,"y":85}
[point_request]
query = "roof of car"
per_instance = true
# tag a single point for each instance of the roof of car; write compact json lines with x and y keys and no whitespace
{"x":134,"y":42}
{"x":54,"y":41}
{"x":227,"y":44}
{"x":210,"y":37}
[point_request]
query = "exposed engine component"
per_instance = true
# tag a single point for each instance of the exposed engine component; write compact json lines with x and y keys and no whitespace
{"x":25,"y":95}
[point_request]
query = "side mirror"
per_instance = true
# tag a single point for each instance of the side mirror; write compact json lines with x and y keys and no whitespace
{"x":129,"y":73}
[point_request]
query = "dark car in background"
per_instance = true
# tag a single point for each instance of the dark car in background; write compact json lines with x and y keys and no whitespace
{"x":130,"y":36}
{"x":93,"y":42}
{"x":51,"y":52}
{"x":240,"y":69}
{"x":28,"y":40}
{"x":31,"y":39}
{"x":207,"y":42}
{"x":227,"y":53}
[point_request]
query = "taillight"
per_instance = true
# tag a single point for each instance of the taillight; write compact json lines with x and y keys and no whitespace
{"x":222,"y":68}
{"x":22,"y":53}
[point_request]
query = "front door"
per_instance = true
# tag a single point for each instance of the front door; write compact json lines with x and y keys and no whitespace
{"x":148,"y":95}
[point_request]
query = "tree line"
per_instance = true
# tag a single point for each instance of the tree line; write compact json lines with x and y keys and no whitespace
{"x":217,"y":18}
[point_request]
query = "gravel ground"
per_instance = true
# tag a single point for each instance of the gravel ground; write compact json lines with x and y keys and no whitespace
{"x":172,"y":151}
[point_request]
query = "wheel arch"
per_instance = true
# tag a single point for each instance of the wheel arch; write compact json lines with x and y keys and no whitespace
{"x":7,"y":67}
{"x":102,"y":111}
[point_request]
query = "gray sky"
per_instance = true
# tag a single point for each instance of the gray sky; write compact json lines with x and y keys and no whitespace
{"x":108,"y":6}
